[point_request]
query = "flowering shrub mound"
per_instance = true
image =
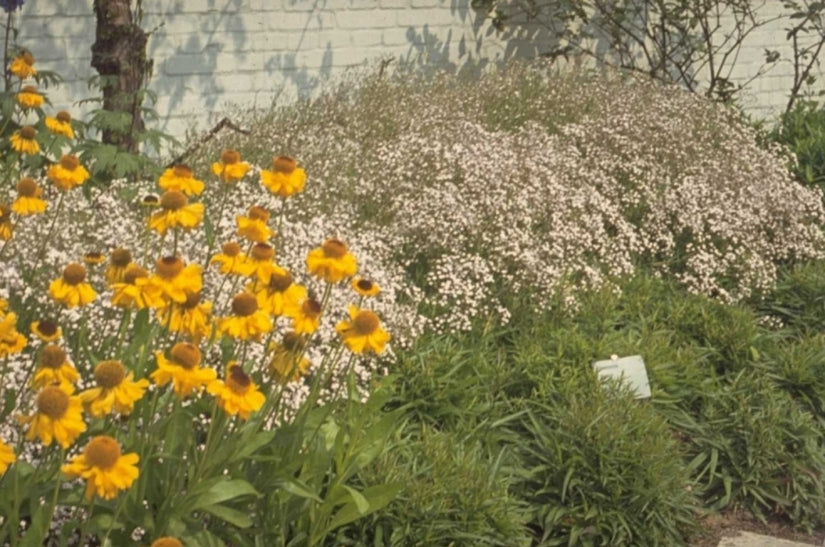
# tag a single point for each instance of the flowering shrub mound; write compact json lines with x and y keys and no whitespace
{"x":551,"y":184}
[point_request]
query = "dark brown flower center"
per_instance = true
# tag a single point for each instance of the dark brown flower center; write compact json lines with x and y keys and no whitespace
{"x":186,"y":355}
{"x":293,"y":342}
{"x":27,"y":57}
{"x":192,"y":300}
{"x":183,"y":171}
{"x":69,"y":163}
{"x":53,"y":356}
{"x":366,"y":322}
{"x":47,"y":328}
{"x":229,"y":157}
{"x":244,"y":304}
{"x":26,"y":187}
{"x":102,"y":452}
{"x":280,"y":282}
{"x":74,"y":274}
{"x":334,"y":248}
{"x":28,"y":132}
{"x":173,"y":200}
{"x":109,"y":374}
{"x":311,"y":308}
{"x":93,"y":257}
{"x":150,"y":199}
{"x":120,"y":258}
{"x":237,"y":380}
{"x":29,"y":89}
{"x":5,"y":213}
{"x":53,"y":402}
{"x":64,"y":116}
{"x":284,"y":164}
{"x":365,"y":285}
{"x":258,"y":213}
{"x":169,"y":267}
{"x":231,"y":249}
{"x":133,"y":273}
{"x":262,"y":252}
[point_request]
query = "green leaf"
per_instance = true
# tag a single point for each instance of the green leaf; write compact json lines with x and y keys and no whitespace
{"x":224,"y":490}
{"x":298,"y":488}
{"x":232,"y":516}
{"x":204,"y":538}
{"x":377,"y":497}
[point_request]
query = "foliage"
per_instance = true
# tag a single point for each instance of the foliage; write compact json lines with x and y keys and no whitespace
{"x":802,"y":130}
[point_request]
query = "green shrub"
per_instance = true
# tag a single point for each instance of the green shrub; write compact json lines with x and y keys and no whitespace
{"x":803,"y":131}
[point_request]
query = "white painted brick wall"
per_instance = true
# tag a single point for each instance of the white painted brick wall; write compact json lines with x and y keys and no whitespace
{"x":208,"y":53}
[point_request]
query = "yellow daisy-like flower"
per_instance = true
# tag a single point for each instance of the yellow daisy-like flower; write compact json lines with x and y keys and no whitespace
{"x":67,"y":173}
{"x":181,"y":179}
{"x":150,"y":201}
{"x":28,"y":200}
{"x":4,"y":306}
{"x":306,"y":317}
{"x":115,"y":389}
{"x":363,"y":332}
{"x":175,"y":212}
{"x":7,"y":457}
{"x":71,"y":289}
{"x":232,"y":261}
{"x":247,"y":322}
{"x":11,"y":341}
{"x":230,"y":168}
{"x":280,"y":295}
{"x":6,"y":225}
{"x":104,"y":466}
{"x":254,"y":226}
{"x":238,"y":394}
{"x":23,"y":65}
{"x":288,"y":363}
{"x":119,"y":262}
{"x":285,"y":179}
{"x":23,"y":140}
{"x":192,"y":318}
{"x":61,"y":124}
{"x":59,"y":416}
{"x":175,"y":279}
{"x":261,"y":258}
{"x":166,"y":541}
{"x":332,"y":261}
{"x":365,"y":287}
{"x":54,"y":368}
{"x":135,"y":291}
{"x":46,"y":330}
{"x":28,"y":97}
{"x":183,"y":370}
{"x":93,"y":258}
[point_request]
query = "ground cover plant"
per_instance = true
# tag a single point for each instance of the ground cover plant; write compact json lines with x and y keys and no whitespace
{"x":211,"y":347}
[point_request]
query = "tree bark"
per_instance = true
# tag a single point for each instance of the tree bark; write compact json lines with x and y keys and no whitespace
{"x":119,"y":56}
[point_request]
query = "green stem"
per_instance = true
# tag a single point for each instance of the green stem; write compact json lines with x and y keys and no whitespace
{"x":48,"y":235}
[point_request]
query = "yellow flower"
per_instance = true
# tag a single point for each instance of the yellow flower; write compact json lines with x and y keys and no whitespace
{"x":261,"y":258}
{"x":119,"y":262}
{"x":46,"y":330}
{"x":285,"y":179}
{"x":183,"y":370}
{"x":248,"y":322}
{"x":306,"y":317}
{"x":23,"y":140}
{"x":11,"y":341}
{"x":28,"y":97}
{"x":331,"y":262}
{"x":106,"y":469}
{"x":115,"y":389}
{"x":59,"y":416}
{"x":28,"y":200}
{"x":192,"y":318}
{"x":6,"y":225}
{"x":232,"y":261}
{"x":6,"y":457}
{"x":136,"y":291}
{"x":280,"y":294}
{"x":150,"y":201}
{"x":238,"y":394}
{"x":55,"y":369}
{"x":4,"y":306}
{"x":180,"y":178}
{"x":93,"y":258}
{"x":288,"y":363}
{"x":23,"y":65}
{"x":61,"y":124}
{"x":67,"y":173}
{"x":166,"y":541}
{"x":176,"y":280}
{"x":254,"y":226}
{"x":365,"y":287}
{"x":175,"y":212}
{"x":230,"y":168}
{"x":71,"y":289}
{"x":363,"y":332}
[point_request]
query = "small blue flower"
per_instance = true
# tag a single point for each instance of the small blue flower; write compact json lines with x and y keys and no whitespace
{"x":11,"y":5}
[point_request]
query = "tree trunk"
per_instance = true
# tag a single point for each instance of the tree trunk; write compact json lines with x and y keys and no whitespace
{"x":119,"y":56}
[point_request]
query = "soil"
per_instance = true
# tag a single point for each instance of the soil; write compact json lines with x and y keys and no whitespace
{"x":717,"y":526}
